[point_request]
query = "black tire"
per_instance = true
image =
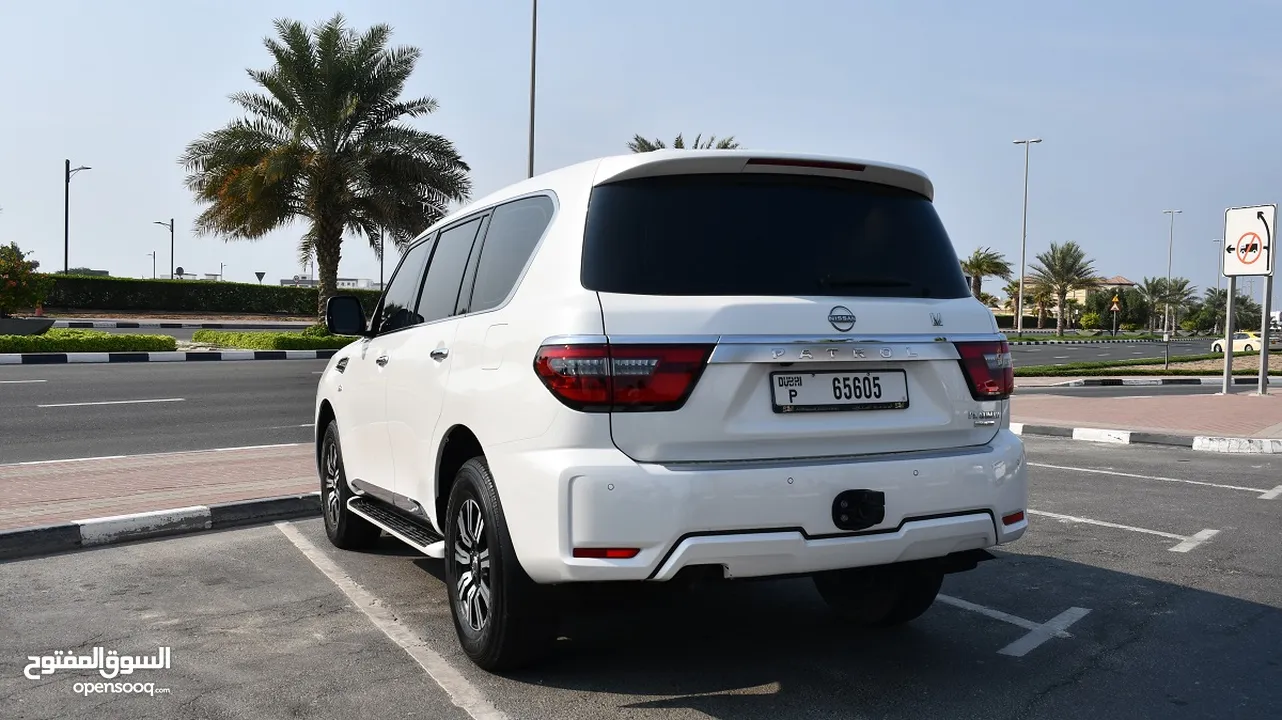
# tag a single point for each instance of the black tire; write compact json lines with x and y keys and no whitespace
{"x":344,"y":529}
{"x":1217,"y":348}
{"x":880,"y":596}
{"x":504,"y":621}
{"x":1248,"y":348}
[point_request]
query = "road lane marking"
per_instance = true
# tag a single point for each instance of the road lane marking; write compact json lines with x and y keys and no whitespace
{"x":1060,"y":357}
{"x":150,"y":455}
{"x":1187,"y":542}
{"x":1051,"y":628}
{"x":464,"y":694}
{"x":20,"y":382}
{"x":113,"y":402}
{"x":1038,"y":633}
{"x":1268,"y":494}
{"x":289,"y":427}
{"x":1197,"y":539}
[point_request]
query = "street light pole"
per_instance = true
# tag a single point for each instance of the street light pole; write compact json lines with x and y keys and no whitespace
{"x":169,"y":225}
{"x":1170,"y":252}
{"x":153,"y":264}
{"x":1023,"y":240}
{"x":534,"y":40}
{"x":67,"y":172}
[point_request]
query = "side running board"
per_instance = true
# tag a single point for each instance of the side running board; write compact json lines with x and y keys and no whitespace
{"x":422,"y":539}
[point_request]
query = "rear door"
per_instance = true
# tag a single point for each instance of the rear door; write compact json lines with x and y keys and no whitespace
{"x":836,"y":314}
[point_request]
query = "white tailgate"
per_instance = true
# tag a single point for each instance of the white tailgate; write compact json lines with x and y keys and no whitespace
{"x":731,"y":414}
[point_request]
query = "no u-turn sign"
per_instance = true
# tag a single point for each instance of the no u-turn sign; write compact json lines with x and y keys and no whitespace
{"x":1248,"y":240}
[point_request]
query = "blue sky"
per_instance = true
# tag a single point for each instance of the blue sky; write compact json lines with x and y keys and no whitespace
{"x":1143,"y":106}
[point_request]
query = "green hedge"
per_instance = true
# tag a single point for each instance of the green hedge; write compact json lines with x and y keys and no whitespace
{"x":60,"y":340}
{"x":259,"y":340}
{"x":1134,"y":365}
{"x":85,"y":292}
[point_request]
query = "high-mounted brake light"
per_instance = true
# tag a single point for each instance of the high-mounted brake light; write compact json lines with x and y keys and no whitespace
{"x":618,"y":378}
{"x":819,"y":164}
{"x":988,"y":367}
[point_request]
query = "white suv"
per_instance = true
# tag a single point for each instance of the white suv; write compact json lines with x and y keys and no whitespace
{"x":647,"y":366}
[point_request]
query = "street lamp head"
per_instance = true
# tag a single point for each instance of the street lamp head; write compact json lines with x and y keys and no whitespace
{"x":1172,"y":212}
{"x":82,"y":167}
{"x":1029,"y":141}
{"x":161,"y":223}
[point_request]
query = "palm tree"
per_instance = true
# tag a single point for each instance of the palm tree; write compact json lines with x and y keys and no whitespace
{"x":1179,"y":295}
{"x":326,"y":143}
{"x":639,"y":144}
{"x":1061,"y":270}
{"x":1041,"y":297}
{"x":1153,"y":291}
{"x":985,"y":262}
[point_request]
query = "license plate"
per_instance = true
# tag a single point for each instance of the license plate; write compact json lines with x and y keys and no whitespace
{"x":836,"y":391}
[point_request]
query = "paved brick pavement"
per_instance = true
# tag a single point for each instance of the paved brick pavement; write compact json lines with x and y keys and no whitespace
{"x":58,"y":491}
{"x":1239,"y":415}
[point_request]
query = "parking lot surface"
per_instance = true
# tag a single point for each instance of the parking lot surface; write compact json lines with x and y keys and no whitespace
{"x":1147,"y":587}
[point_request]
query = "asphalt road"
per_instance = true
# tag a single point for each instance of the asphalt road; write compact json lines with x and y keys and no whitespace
{"x":267,"y":622}
{"x":69,"y":411}
{"x":1102,"y":352}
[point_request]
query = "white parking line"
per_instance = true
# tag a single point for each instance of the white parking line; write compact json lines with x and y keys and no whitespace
{"x":113,"y":402}
{"x":20,"y":382}
{"x":147,"y":455}
{"x":1038,"y":633}
{"x":1267,"y":494}
{"x":464,"y":694}
{"x":1187,"y":542}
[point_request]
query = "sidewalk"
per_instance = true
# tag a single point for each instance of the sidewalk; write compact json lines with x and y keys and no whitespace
{"x":64,"y":490}
{"x":1240,"y":415}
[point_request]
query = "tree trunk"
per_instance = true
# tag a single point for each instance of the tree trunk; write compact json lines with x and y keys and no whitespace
{"x":329,"y":249}
{"x":1041,"y":316}
{"x":976,"y":285}
{"x":1059,"y":321}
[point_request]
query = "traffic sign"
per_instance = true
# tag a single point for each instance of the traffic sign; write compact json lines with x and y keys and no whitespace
{"x":1116,"y":307}
{"x":1248,"y":240}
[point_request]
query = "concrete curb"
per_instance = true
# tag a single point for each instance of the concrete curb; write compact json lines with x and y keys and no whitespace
{"x":176,"y":325}
{"x":1149,"y":381}
{"x":1203,"y":443}
{"x":1080,"y":342}
{"x":78,"y":534}
{"x":177,"y":356}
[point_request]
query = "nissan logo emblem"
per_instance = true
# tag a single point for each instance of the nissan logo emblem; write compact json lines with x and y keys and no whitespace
{"x":841,"y":318}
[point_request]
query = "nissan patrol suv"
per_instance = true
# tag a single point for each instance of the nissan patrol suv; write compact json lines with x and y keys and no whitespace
{"x":639,"y":367}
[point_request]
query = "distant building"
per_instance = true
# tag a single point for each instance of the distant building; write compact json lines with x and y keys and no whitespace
{"x":343,"y":283}
{"x":1117,"y":281}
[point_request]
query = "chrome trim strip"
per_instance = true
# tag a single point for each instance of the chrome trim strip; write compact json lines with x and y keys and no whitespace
{"x":781,"y":353}
{"x":826,"y":461}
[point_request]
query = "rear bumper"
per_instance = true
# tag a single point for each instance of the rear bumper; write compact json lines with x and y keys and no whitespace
{"x":753,"y":519}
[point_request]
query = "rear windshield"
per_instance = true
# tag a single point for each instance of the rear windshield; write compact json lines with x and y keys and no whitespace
{"x":766,"y":235}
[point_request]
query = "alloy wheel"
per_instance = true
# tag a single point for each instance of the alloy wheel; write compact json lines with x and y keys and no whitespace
{"x":472,"y":559}
{"x":332,"y":496}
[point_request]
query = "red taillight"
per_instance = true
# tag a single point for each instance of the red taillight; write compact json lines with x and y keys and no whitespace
{"x":988,"y":367}
{"x":1013,"y":518}
{"x":613,"y":378}
{"x":606,"y":553}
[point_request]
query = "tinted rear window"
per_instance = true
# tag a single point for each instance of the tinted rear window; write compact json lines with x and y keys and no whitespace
{"x":766,"y":235}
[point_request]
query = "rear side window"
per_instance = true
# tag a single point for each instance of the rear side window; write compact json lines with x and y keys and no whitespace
{"x":445,"y":272}
{"x":514,"y":230}
{"x":766,"y":235}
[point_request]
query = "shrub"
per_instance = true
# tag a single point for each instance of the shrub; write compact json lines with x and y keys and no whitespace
{"x":1129,"y":327}
{"x":63,"y":340}
{"x":1090,"y":321}
{"x":259,"y":340}
{"x":84,"y":292}
{"x":20,"y":285}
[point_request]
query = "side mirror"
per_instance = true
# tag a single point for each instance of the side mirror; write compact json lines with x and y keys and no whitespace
{"x":344,"y":315}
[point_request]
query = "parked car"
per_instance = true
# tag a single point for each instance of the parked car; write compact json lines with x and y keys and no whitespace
{"x":674,"y":364}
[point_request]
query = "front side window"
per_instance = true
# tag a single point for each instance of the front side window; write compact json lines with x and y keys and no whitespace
{"x":399,"y":301}
{"x":445,"y":273}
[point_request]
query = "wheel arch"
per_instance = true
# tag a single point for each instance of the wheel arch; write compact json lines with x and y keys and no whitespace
{"x":458,"y":445}
{"x":324,"y":416}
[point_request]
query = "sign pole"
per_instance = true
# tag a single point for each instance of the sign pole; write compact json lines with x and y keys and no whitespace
{"x":1228,"y":336}
{"x":1264,"y":336}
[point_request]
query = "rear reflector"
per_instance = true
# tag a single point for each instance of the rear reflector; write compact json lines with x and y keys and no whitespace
{"x":1013,"y":518}
{"x":988,"y":368}
{"x":618,"y":378}
{"x":819,"y":164}
{"x":606,"y":553}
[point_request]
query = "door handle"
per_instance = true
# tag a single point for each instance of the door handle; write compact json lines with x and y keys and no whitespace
{"x":440,"y":354}
{"x":382,"y":360}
